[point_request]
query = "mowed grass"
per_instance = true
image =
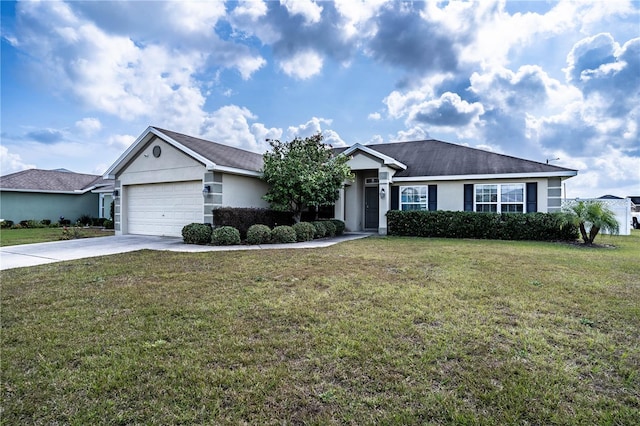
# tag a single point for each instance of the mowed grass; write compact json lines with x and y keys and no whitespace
{"x":380,"y":330}
{"x":12,"y":237}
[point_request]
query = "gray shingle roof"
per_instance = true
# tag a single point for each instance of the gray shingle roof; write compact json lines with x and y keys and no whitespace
{"x":221,"y":155}
{"x":437,"y":158}
{"x":50,"y":180}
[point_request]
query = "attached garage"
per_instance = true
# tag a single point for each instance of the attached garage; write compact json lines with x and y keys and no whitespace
{"x":163,"y":208}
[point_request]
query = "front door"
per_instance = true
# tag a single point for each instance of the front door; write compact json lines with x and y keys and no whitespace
{"x":371,"y":207}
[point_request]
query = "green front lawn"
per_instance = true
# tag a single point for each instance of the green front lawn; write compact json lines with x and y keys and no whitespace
{"x":380,"y":330}
{"x":12,"y":237}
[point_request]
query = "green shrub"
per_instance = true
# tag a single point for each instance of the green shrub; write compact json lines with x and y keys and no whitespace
{"x":258,"y":234}
{"x":331,"y":228}
{"x":5,"y":224}
{"x":108,"y":224}
{"x":243,"y":218}
{"x":505,"y":226}
{"x":340,"y":226}
{"x":225,"y":236}
{"x":31,"y":223}
{"x":283,"y":234}
{"x":45,"y":222}
{"x":304,"y":231}
{"x":321,"y":230}
{"x":196,"y":233}
{"x":85,"y":220}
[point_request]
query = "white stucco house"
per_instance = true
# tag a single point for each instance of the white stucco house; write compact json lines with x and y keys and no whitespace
{"x":166,"y":180}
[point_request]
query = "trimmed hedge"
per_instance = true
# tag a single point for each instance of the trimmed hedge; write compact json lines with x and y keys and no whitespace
{"x":225,"y":236}
{"x":196,"y":233}
{"x":304,"y":231}
{"x":340,"y":226}
{"x":283,"y":234}
{"x":505,"y":226}
{"x":321,"y":230}
{"x":258,"y":234}
{"x":243,"y":218}
{"x":331,"y":228}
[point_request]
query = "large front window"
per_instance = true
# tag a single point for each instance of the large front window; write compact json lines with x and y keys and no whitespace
{"x":413,"y":198}
{"x":500,"y":198}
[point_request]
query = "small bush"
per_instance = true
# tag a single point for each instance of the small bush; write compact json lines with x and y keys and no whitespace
{"x":258,"y":234}
{"x":283,"y":234}
{"x":45,"y":222}
{"x":304,"y":231}
{"x":196,"y":233}
{"x":321,"y":230}
{"x":31,"y":223}
{"x":71,"y":233}
{"x":108,"y":224}
{"x":225,"y":236}
{"x":85,"y":220}
{"x":5,"y":224}
{"x":331,"y":228}
{"x":340,"y":226}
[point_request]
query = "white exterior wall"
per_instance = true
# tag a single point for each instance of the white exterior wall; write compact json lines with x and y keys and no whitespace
{"x":172,"y":166}
{"x":451,"y":193}
{"x":243,"y":191}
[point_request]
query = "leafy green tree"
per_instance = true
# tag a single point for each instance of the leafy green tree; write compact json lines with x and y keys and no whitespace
{"x":303,"y":172}
{"x":591,"y":217}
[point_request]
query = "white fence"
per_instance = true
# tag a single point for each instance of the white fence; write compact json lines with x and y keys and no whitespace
{"x":621,"y":208}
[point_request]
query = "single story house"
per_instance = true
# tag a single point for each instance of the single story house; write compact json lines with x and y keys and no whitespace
{"x":166,"y":180}
{"x":36,"y":194}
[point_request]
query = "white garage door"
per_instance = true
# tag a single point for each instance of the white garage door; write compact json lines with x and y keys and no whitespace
{"x":163,"y":208}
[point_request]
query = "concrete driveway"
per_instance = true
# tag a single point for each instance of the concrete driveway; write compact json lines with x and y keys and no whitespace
{"x":58,"y":251}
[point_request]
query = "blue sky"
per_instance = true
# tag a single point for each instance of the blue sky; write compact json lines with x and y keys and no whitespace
{"x":538,"y":80}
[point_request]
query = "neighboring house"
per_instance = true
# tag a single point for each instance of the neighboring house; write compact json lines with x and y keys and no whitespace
{"x":36,"y":194}
{"x":166,"y":180}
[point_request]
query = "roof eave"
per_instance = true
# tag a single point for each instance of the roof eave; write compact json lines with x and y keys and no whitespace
{"x":235,"y":171}
{"x":45,"y":191}
{"x":562,"y":174}
{"x":388,"y":161}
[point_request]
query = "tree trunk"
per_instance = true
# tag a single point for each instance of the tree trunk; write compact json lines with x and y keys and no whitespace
{"x":583,"y":232}
{"x":297,"y":216}
{"x":592,"y":233}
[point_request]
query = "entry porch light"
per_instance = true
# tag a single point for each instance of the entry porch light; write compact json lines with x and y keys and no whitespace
{"x":382,"y":193}
{"x":206,"y":190}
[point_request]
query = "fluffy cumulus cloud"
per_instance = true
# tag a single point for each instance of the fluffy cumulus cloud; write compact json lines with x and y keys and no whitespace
{"x":89,"y":126}
{"x":302,"y":65}
{"x":565,"y":82}
{"x":11,"y":163}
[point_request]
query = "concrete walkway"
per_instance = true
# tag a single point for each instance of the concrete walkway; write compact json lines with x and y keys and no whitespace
{"x":58,"y":251}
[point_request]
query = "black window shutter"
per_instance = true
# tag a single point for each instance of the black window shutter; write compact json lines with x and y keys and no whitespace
{"x":395,"y":198}
{"x":532,"y":197}
{"x":433,"y":197}
{"x":468,"y":197}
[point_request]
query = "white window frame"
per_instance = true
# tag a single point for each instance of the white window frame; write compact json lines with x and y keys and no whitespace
{"x":423,"y":198}
{"x":503,"y":200}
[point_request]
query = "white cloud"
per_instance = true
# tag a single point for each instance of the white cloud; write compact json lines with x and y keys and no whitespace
{"x":415,"y":133}
{"x":308,"y":9}
{"x":261,"y":133}
{"x":302,"y":65}
{"x":307,"y":129}
{"x":89,"y":126}
{"x":374,"y":116}
{"x":357,"y":15}
{"x":230,"y":125}
{"x":195,"y":16}
{"x":11,"y":163}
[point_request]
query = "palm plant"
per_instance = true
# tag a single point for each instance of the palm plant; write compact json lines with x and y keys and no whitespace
{"x":591,"y":217}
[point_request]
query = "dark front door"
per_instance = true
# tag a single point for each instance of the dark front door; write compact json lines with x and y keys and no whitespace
{"x":371,"y":207}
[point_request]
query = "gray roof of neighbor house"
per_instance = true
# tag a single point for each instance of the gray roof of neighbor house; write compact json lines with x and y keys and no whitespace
{"x":437,"y":158}
{"x":221,"y":155}
{"x":37,"y":180}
